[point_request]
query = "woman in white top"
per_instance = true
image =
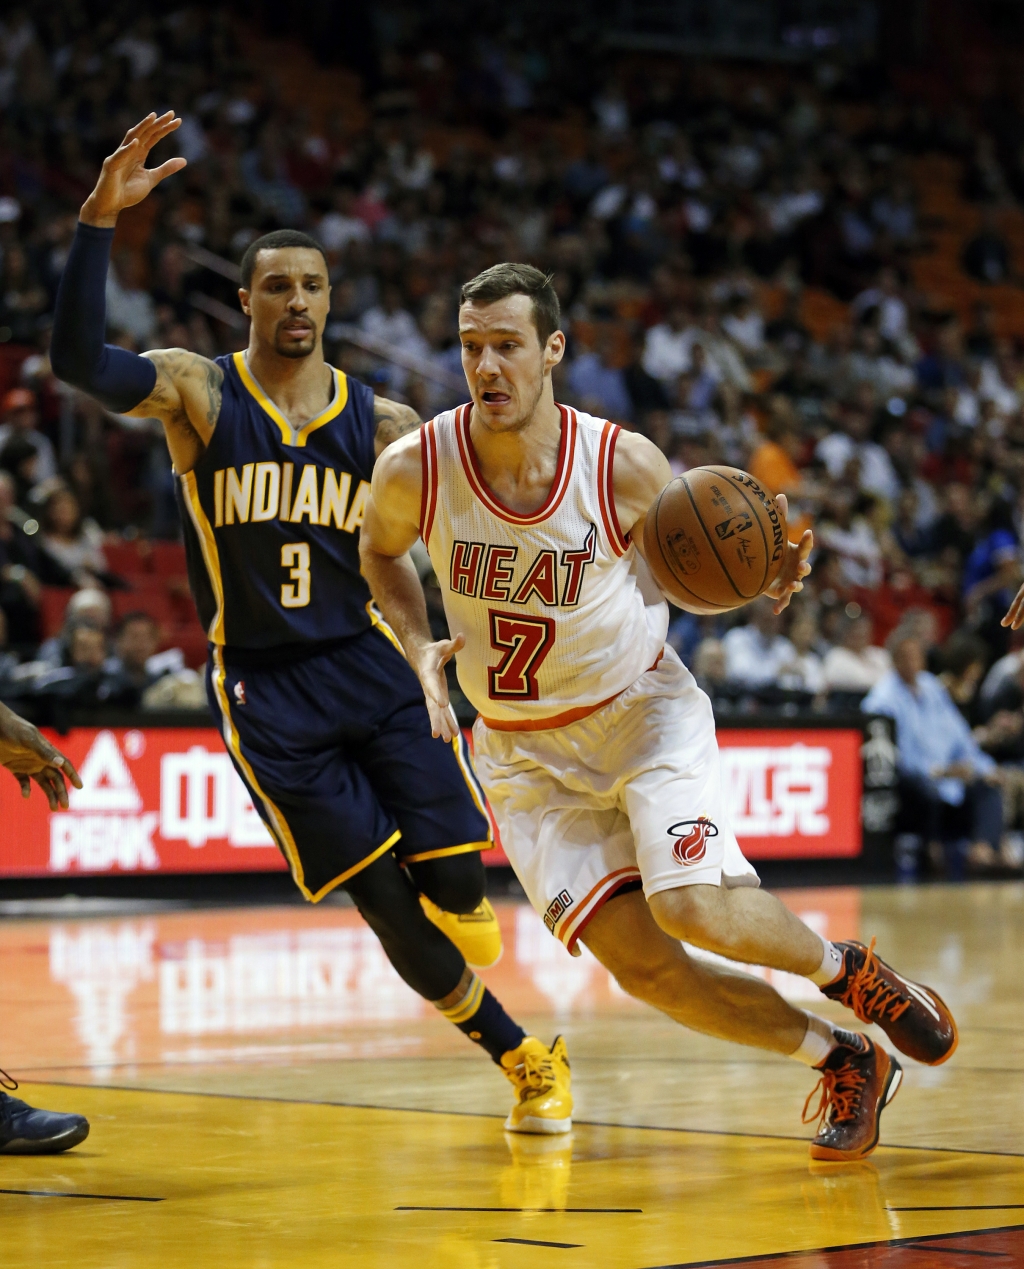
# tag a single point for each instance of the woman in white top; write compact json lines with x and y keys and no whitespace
{"x":855,"y":664}
{"x":72,"y":540}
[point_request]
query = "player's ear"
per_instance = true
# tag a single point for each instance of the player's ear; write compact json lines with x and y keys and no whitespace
{"x":243,"y":299}
{"x":554,"y":349}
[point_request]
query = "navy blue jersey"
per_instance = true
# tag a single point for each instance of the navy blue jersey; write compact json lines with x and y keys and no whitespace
{"x":272,"y":516}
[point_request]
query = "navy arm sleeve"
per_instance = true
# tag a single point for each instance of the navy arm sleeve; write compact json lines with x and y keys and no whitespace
{"x":119,"y":379}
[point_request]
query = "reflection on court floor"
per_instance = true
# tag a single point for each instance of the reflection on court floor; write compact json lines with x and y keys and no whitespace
{"x":166,"y":988}
{"x":266,"y":1094}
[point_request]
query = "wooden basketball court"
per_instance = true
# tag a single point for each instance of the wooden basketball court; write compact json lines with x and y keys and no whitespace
{"x":264,"y":1092}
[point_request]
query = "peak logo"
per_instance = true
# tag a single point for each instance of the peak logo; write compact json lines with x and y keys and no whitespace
{"x":147,"y":794}
{"x":691,"y":839}
{"x":107,"y":784}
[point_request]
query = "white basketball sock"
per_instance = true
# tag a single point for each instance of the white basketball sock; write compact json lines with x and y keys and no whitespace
{"x":818,"y":1042}
{"x":831,"y":964}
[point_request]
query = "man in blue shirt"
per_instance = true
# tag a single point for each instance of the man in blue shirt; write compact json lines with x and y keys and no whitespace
{"x":947,"y":784}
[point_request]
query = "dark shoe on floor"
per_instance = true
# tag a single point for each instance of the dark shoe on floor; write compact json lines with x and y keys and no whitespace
{"x":24,"y":1130}
{"x":913,"y":1017}
{"x":858,"y":1080}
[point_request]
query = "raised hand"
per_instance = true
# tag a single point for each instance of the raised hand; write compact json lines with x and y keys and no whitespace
{"x":28,"y":755}
{"x":429,"y":666}
{"x":794,"y":563}
{"x":124,"y":179}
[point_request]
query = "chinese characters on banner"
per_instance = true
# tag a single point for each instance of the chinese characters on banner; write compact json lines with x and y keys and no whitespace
{"x":168,"y":799}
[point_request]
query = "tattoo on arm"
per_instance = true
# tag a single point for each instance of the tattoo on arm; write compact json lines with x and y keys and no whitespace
{"x":184,"y":379}
{"x":393,"y":420}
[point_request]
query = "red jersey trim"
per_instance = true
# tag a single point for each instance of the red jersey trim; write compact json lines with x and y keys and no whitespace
{"x":563,"y":471}
{"x":428,"y":493}
{"x":605,"y":889}
{"x":606,"y":490}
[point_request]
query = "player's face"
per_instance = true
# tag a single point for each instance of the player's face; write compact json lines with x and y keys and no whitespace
{"x":289,"y":299}
{"x":505,"y":363}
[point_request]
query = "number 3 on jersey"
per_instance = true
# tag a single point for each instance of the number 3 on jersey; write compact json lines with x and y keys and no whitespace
{"x":295,"y":558}
{"x":526,"y":641}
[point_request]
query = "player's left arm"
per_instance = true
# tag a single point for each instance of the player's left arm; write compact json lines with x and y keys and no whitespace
{"x":391,"y":526}
{"x":640,"y":471}
{"x":392,"y":420}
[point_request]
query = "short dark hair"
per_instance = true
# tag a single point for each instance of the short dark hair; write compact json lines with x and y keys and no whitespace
{"x":136,"y":614}
{"x":502,"y":280}
{"x":271,"y":242}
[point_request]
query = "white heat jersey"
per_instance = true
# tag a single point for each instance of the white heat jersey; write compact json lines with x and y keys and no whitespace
{"x":559,"y":612}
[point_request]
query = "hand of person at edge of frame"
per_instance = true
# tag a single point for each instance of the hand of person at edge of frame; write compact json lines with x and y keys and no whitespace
{"x":1015,"y":613}
{"x":430,"y":668}
{"x":29,"y":756}
{"x":794,"y":563}
{"x":124,"y":179}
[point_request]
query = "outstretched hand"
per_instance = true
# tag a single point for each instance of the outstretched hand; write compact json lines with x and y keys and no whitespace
{"x":1015,"y":613}
{"x":794,"y":563}
{"x":29,"y":756}
{"x":429,"y":666}
{"x":125,"y":180}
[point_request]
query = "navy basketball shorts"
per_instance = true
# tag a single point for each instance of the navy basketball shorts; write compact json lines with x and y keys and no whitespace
{"x":336,"y":752}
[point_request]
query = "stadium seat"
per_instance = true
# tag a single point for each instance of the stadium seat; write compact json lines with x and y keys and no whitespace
{"x":52,"y":602}
{"x":168,"y":558}
{"x":125,"y":556}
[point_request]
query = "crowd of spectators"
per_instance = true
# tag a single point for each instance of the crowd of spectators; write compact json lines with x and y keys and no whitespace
{"x":689,"y":215}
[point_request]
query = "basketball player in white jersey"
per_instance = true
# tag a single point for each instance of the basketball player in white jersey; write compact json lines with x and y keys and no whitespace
{"x":595,"y":746}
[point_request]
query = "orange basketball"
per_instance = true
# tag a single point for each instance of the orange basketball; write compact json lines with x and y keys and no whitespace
{"x":714,"y":539}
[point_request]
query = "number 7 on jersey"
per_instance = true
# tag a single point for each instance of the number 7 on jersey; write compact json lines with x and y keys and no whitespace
{"x":525,"y":641}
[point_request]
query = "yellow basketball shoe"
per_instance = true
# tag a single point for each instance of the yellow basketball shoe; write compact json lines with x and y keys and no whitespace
{"x":476,"y":934}
{"x":542,"y":1079}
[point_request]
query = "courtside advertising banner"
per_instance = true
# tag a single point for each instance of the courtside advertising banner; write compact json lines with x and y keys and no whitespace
{"x":167,"y":799}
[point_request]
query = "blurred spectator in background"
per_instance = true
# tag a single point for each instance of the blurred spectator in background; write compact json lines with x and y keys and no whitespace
{"x":710,"y":667}
{"x":803,"y":672}
{"x":755,"y":654}
{"x":964,"y":658}
{"x":846,"y":532}
{"x":986,"y":256}
{"x":19,"y":419}
{"x":947,"y":785}
{"x":135,"y":664}
{"x":597,"y":385}
{"x":72,"y":541}
{"x":89,"y":606}
{"x":854,"y":664}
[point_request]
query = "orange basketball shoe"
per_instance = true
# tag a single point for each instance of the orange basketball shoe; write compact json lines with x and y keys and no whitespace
{"x":858,"y":1080}
{"x":913,"y":1017}
{"x":542,"y":1081}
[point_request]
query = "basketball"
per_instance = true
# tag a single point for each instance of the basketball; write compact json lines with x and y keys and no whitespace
{"x":714,"y":539}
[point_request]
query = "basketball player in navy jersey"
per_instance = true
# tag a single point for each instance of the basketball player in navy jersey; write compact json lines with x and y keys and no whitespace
{"x":325,"y":723}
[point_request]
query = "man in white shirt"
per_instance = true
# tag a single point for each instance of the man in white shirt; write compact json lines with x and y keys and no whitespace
{"x":340,"y":225}
{"x":756,"y":654}
{"x":667,"y":348}
{"x":839,"y":449}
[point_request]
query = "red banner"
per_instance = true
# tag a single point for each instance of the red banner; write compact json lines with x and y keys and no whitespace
{"x":793,"y":794}
{"x":167,"y":799}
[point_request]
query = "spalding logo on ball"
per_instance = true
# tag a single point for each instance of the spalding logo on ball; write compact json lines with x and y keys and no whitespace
{"x":714,"y":539}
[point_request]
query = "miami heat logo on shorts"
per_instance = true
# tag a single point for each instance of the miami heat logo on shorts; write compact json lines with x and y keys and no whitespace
{"x":692,"y":839}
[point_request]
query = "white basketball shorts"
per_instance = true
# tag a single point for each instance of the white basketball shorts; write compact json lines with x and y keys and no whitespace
{"x":630,"y":793}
